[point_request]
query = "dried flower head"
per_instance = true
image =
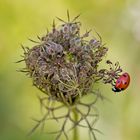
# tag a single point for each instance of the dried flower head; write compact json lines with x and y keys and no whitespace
{"x":65,"y":66}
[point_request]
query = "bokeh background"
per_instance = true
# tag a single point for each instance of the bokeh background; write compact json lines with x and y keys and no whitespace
{"x":118,"y":22}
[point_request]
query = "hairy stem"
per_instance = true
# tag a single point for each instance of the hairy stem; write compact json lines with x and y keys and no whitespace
{"x":75,"y":133}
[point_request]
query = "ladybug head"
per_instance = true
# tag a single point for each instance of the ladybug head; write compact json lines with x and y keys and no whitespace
{"x":116,"y":89}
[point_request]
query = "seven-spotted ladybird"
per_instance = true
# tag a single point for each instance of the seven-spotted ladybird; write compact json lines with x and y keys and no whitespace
{"x":122,"y":83}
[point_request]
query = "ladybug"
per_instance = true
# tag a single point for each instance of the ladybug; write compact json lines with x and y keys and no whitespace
{"x":122,"y":83}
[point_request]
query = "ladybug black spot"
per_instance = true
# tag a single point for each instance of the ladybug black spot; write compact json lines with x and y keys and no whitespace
{"x":124,"y":75}
{"x":118,"y":81}
{"x":125,"y":83}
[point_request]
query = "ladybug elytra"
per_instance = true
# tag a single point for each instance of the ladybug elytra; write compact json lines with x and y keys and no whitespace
{"x":122,"y":83}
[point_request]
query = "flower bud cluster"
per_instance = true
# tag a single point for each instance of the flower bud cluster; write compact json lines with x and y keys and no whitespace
{"x":64,"y":64}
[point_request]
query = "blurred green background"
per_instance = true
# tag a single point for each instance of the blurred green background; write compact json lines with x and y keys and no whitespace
{"x":118,"y":22}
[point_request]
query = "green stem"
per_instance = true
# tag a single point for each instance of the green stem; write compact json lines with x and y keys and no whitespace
{"x":75,"y":133}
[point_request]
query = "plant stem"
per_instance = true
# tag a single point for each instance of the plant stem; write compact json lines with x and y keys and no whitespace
{"x":75,"y":133}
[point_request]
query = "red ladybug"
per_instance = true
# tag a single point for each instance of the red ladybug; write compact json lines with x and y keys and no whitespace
{"x":122,"y":82}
